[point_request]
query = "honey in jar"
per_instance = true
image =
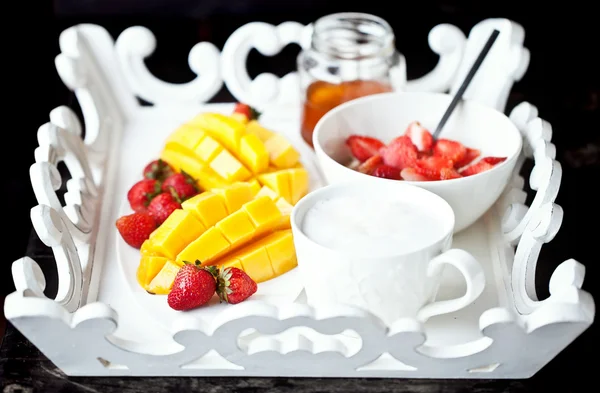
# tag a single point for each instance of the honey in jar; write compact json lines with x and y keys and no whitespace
{"x":351,"y":55}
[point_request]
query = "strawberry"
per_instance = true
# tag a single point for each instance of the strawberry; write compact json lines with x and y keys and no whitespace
{"x":246,"y":110}
{"x":419,"y":136}
{"x":452,"y":150}
{"x":161,"y":207}
{"x":369,"y":166}
{"x":400,"y":153}
{"x":449,"y":173}
{"x":182,"y":184}
{"x":158,"y":170}
{"x":387,"y":172}
{"x":411,"y":174}
{"x":476,"y":168}
{"x":363,"y":147}
{"x":135,"y":228}
{"x":431,"y":167}
{"x":234,"y":285}
{"x":470,"y":156}
{"x":493,"y":160}
{"x":193,"y":286}
{"x":141,"y":193}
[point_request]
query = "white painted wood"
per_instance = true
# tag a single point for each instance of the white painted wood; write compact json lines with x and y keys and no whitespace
{"x":97,"y":326}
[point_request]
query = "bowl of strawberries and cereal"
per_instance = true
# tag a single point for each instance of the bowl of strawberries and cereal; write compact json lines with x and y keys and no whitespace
{"x":388,"y":137}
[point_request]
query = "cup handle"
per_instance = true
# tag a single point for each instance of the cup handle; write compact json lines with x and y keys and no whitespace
{"x":471,"y":271}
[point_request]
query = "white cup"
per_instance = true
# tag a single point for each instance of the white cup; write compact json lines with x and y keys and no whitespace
{"x":398,"y":285}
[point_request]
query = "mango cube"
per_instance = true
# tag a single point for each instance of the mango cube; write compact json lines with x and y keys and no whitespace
{"x":253,"y":153}
{"x":148,"y":250}
{"x":148,"y":269}
{"x":279,"y":182}
{"x":185,"y":138}
{"x":209,"y":246}
{"x":163,"y":282}
{"x":232,"y":262}
{"x":178,"y":230}
{"x":254,"y":186}
{"x":267,"y":191}
{"x":236,"y":227}
{"x":207,"y":149}
{"x":263,"y":212}
{"x":281,"y":153}
{"x":284,"y":206}
{"x":229,"y":168}
{"x":256,"y":263}
{"x":207,"y":207}
{"x":225,"y":129}
{"x":298,"y":184}
{"x":204,"y":176}
{"x":254,"y":127}
{"x":235,"y":195}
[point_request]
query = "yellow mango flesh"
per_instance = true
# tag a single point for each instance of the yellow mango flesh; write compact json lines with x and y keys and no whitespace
{"x":205,"y":177}
{"x":281,"y":152}
{"x":178,"y":230}
{"x":162,"y":283}
{"x":255,"y":219}
{"x":269,"y":257}
{"x":227,"y":130}
{"x":254,"y":127}
{"x":148,"y":269}
{"x":253,"y":153}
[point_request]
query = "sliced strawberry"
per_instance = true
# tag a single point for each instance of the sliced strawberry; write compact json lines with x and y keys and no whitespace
{"x":493,"y":160}
{"x":449,"y":173}
{"x":369,"y":166}
{"x":400,"y":153}
{"x":419,"y":136}
{"x":363,"y":147}
{"x":470,"y":156}
{"x":411,"y":174}
{"x":476,"y":168}
{"x":450,"y":149}
{"x":387,"y":172}
{"x":432,"y":166}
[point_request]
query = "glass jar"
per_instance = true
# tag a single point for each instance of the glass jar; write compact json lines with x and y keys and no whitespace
{"x":350,"y":55}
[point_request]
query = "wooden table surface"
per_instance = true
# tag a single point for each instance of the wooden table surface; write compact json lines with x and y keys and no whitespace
{"x":566,"y":92}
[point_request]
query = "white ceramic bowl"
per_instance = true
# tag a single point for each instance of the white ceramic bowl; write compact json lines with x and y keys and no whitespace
{"x":386,"y":116}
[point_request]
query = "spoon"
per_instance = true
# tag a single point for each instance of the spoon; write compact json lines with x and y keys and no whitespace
{"x":461,"y":90}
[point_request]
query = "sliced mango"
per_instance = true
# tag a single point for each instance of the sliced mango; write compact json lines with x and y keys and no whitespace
{"x":148,"y":250}
{"x":148,"y":269}
{"x":207,"y":206}
{"x":253,"y":153}
{"x":204,"y":176}
{"x":235,"y":195}
{"x":254,"y":127}
{"x":281,"y":152}
{"x":207,"y":149}
{"x":267,"y":258}
{"x":267,"y":191}
{"x":298,"y":184}
{"x":210,"y":245}
{"x":229,"y":167}
{"x":185,"y":139}
{"x":279,"y":182}
{"x":162,"y":283}
{"x":225,"y":129}
{"x":240,"y":117}
{"x":255,"y":219}
{"x":254,"y":186}
{"x":178,"y":230}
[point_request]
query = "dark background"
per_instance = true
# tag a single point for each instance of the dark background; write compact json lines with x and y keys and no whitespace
{"x":561,"y":80}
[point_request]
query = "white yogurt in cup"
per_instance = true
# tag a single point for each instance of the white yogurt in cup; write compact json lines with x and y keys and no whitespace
{"x":380,"y":248}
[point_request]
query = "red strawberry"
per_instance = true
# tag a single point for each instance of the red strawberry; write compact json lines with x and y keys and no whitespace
{"x":419,"y":136}
{"x":431,"y":167}
{"x":469,"y":157}
{"x":449,"y":173}
{"x":363,"y":147}
{"x":141,"y":193}
{"x":135,"y":228}
{"x":476,"y":168}
{"x":387,"y":172}
{"x":234,"y":285}
{"x":182,"y":184}
{"x":193,"y":287}
{"x":161,"y":207}
{"x":493,"y":160}
{"x":158,"y":170}
{"x":411,"y":174}
{"x":400,"y":153}
{"x":246,"y":110}
{"x":447,"y":148}
{"x":369,"y":166}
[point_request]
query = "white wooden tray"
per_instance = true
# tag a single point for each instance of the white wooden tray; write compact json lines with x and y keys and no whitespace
{"x":101,"y":324}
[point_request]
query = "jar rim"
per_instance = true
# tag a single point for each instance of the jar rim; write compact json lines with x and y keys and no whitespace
{"x":353,"y":36}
